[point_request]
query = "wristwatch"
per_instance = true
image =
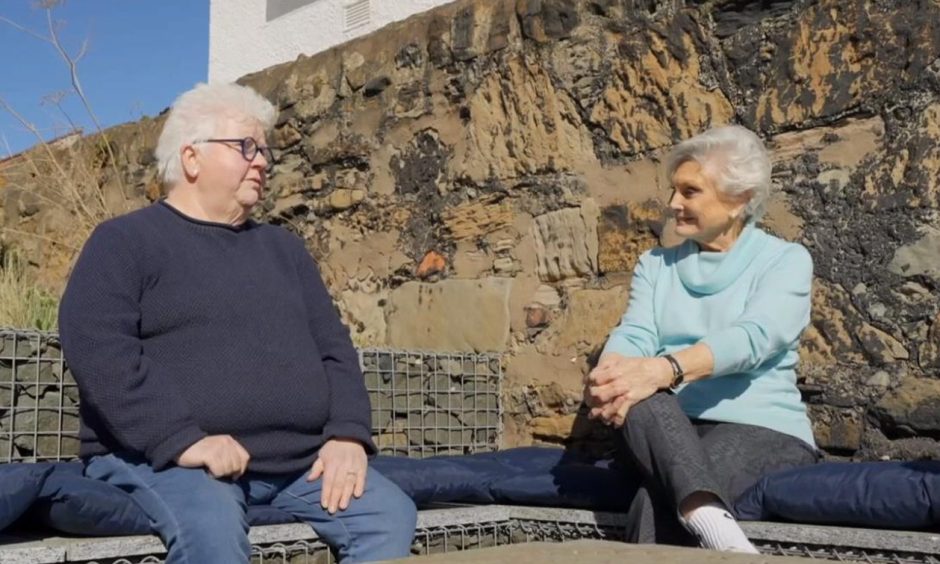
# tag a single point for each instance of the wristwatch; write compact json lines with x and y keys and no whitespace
{"x":678,"y":375}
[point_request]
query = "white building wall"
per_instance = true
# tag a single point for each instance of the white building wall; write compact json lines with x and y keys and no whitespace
{"x":241,"y":40}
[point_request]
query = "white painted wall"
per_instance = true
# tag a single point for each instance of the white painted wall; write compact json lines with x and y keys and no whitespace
{"x":241,"y":41}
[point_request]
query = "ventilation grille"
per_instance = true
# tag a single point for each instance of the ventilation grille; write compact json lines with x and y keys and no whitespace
{"x":358,"y":14}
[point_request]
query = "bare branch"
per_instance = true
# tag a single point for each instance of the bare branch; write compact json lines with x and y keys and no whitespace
{"x":25,"y":30}
{"x":77,"y":86}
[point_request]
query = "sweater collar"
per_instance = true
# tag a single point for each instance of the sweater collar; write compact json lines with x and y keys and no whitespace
{"x":203,"y":223}
{"x":706,"y":272}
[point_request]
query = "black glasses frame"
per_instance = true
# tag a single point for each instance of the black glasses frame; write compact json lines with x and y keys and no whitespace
{"x":249,"y":148}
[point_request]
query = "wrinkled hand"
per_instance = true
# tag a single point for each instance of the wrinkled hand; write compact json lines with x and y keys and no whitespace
{"x":221,"y":455}
{"x":618,"y":383}
{"x":342,"y":464}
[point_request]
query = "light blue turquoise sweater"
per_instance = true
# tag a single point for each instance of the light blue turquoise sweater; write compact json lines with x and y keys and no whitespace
{"x":749,"y":305}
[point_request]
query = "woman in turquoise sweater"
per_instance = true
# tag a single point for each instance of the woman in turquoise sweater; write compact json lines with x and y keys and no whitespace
{"x":700,"y":373}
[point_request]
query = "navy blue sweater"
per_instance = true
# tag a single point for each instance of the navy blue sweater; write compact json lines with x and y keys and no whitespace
{"x":176,"y":329}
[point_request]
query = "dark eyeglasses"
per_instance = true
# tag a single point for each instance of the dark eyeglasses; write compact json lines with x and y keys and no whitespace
{"x":249,"y":148}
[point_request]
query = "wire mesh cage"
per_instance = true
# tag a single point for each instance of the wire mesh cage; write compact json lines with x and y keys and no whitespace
{"x":475,"y":530}
{"x":38,"y":399}
{"x":427,"y":404}
{"x":423,"y":403}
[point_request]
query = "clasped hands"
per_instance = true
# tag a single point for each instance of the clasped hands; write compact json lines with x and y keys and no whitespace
{"x":618,"y":383}
{"x":342,"y":464}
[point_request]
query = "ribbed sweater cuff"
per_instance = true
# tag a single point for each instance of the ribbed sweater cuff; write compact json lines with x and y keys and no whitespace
{"x":350,"y":430}
{"x":166,"y":451}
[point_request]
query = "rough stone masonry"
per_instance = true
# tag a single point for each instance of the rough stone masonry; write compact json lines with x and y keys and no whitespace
{"x":483,"y":176}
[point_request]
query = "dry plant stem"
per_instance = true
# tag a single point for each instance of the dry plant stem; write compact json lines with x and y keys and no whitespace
{"x":22,"y":302}
{"x":42,"y":238}
{"x":73,"y":192}
{"x":72,"y":63}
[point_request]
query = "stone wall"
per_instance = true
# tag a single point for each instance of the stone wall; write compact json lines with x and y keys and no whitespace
{"x":484,"y":176}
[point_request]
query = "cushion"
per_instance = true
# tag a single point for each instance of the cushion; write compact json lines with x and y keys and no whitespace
{"x":71,"y":503}
{"x":897,"y":495}
{"x":19,"y":487}
{"x":440,"y":479}
{"x":575,"y":485}
{"x":532,"y":475}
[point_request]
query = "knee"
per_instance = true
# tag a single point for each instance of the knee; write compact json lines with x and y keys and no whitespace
{"x":213,"y":514}
{"x":647,"y":411}
{"x":396,"y":513}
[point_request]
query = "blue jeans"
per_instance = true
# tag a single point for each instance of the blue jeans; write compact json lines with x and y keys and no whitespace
{"x":202,"y":520}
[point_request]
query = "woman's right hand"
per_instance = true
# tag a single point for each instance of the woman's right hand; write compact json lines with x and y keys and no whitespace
{"x":619,"y":382}
{"x":221,"y":455}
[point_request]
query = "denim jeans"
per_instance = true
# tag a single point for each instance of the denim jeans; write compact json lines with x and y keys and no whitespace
{"x":202,"y":519}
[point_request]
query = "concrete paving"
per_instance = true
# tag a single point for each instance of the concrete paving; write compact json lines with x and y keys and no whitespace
{"x":597,"y":552}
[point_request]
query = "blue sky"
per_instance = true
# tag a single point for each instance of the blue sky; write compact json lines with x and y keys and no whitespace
{"x":141,"y":55}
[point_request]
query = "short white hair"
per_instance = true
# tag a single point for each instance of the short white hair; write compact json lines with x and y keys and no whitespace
{"x":198,"y":113}
{"x":734,"y":157}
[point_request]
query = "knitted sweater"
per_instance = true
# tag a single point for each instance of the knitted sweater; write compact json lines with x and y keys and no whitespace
{"x":176,"y":329}
{"x":749,"y":305}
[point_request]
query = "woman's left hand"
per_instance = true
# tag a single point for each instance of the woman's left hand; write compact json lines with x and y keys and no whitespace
{"x":342,"y":463}
{"x":618,"y":383}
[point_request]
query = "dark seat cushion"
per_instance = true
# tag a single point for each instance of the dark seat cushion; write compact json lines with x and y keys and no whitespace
{"x":71,"y":503}
{"x":891,"y":495}
{"x":19,"y":488}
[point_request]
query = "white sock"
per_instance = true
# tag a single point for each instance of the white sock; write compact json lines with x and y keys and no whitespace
{"x":715,"y":528}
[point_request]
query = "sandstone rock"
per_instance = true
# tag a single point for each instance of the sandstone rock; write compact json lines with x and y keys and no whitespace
{"x":623,"y":236}
{"x":312,"y":92}
{"x":473,"y":219}
{"x":844,"y":146}
{"x":546,"y":20}
{"x":839,"y":430}
{"x":566,"y":242}
{"x":554,"y":397}
{"x":480,"y":28}
{"x":913,"y":407}
{"x":354,"y":67}
{"x":660,"y":71}
{"x":451,"y":315}
{"x":556,"y":428}
{"x":547,"y":296}
{"x":930,"y":349}
{"x":521,"y":124}
{"x":590,"y":317}
{"x":880,"y":346}
{"x":287,"y":184}
{"x":529,"y":366}
{"x":826,"y":61}
{"x":286,"y":136}
{"x":364,"y":314}
{"x":470,"y":261}
{"x":505,"y":266}
{"x":921,"y":258}
{"x":835,"y":322}
{"x":880,"y":379}
{"x":343,"y":199}
{"x":895,"y":181}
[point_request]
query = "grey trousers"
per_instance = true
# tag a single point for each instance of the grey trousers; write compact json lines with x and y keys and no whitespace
{"x":676,"y":457}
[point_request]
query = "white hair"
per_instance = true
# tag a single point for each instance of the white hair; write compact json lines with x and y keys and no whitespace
{"x":734,"y":158}
{"x":198,"y":113}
